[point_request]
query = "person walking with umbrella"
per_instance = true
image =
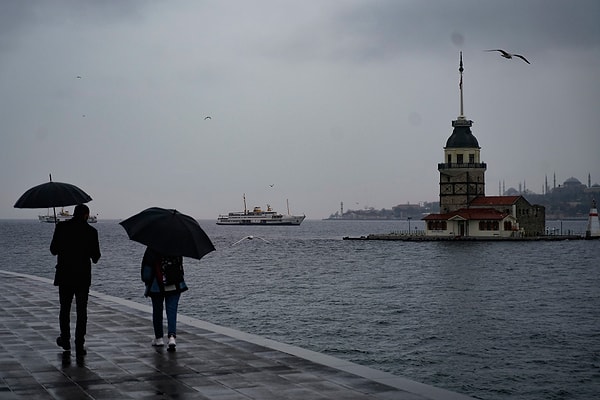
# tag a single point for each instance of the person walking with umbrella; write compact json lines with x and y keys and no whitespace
{"x":163,"y":276}
{"x":75,"y":243}
{"x":169,"y":236}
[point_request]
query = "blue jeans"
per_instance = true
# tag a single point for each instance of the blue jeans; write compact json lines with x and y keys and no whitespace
{"x":171,"y":302}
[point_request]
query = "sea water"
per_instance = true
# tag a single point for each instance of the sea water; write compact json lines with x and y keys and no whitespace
{"x":506,"y":320}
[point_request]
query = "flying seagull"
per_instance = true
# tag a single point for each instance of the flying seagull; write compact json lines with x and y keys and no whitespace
{"x":509,"y":55}
{"x":250,"y":238}
{"x":207,"y":117}
{"x":78,"y":76}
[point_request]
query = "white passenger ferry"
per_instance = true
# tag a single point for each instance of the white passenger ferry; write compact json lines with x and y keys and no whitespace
{"x":259,"y":217}
{"x":63,"y":215}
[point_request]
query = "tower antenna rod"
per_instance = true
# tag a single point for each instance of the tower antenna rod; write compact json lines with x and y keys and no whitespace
{"x":460,"y":85}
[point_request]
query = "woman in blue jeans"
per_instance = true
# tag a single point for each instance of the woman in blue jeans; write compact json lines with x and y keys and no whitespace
{"x":163,"y":276}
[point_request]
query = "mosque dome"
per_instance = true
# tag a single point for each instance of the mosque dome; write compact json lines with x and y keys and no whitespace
{"x":462,"y":137}
{"x":572,"y":182}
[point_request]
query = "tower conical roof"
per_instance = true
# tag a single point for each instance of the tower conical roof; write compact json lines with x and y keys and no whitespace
{"x":462,"y":135}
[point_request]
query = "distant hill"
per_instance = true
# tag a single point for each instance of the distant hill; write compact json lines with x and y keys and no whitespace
{"x":571,"y":200}
{"x":399,"y":212}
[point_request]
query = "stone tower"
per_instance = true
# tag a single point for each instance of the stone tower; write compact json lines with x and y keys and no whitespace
{"x":462,"y":174}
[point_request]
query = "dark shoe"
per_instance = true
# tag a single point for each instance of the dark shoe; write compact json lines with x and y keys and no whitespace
{"x":79,"y":348}
{"x":64,"y":343}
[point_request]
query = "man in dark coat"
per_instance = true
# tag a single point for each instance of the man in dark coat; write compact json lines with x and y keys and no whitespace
{"x":76,"y":244}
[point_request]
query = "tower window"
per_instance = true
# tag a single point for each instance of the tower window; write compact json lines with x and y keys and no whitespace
{"x":471,"y":158}
{"x":459,"y":158}
{"x":449,"y":158}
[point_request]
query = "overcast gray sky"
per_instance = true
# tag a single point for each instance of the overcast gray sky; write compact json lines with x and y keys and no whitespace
{"x":328,"y":101}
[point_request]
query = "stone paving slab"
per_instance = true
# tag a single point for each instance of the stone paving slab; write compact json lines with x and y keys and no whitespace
{"x":211,"y":362}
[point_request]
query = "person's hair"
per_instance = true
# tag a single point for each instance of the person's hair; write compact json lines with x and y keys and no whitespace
{"x":81,"y":211}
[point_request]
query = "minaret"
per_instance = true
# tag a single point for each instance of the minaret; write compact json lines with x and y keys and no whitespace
{"x":462,"y":175}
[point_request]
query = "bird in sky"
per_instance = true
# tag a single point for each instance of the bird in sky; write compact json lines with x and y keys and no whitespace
{"x":78,"y":77}
{"x":510,"y":55}
{"x":250,"y":237}
{"x":207,"y":117}
{"x":272,"y":184}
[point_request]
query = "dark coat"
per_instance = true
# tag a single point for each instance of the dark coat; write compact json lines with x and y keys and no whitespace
{"x":76,"y":244}
{"x":154,"y":277}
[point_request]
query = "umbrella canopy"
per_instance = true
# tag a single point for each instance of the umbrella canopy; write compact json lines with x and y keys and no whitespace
{"x":169,"y":232}
{"x":52,"y":194}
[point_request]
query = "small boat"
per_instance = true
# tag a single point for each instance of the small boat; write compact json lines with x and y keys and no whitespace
{"x":259,"y":217}
{"x":63,"y":215}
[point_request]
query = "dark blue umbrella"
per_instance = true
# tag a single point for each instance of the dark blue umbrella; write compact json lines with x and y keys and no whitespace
{"x":168,"y":232}
{"x":52,"y":194}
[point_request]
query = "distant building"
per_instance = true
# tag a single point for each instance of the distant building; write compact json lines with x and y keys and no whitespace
{"x":595,"y":188}
{"x":530,"y":218}
{"x":464,"y":208}
{"x":571,"y":185}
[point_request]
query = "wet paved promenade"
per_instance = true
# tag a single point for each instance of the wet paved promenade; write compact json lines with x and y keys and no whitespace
{"x":211,"y":362}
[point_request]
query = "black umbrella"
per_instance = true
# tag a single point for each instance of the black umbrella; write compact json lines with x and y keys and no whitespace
{"x":52,"y":194}
{"x":168,"y":232}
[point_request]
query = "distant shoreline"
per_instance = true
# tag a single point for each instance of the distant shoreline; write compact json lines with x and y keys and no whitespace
{"x":423,"y":238}
{"x":415,"y":219}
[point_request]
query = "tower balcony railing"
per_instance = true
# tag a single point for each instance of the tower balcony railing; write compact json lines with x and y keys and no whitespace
{"x":461,"y":165}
